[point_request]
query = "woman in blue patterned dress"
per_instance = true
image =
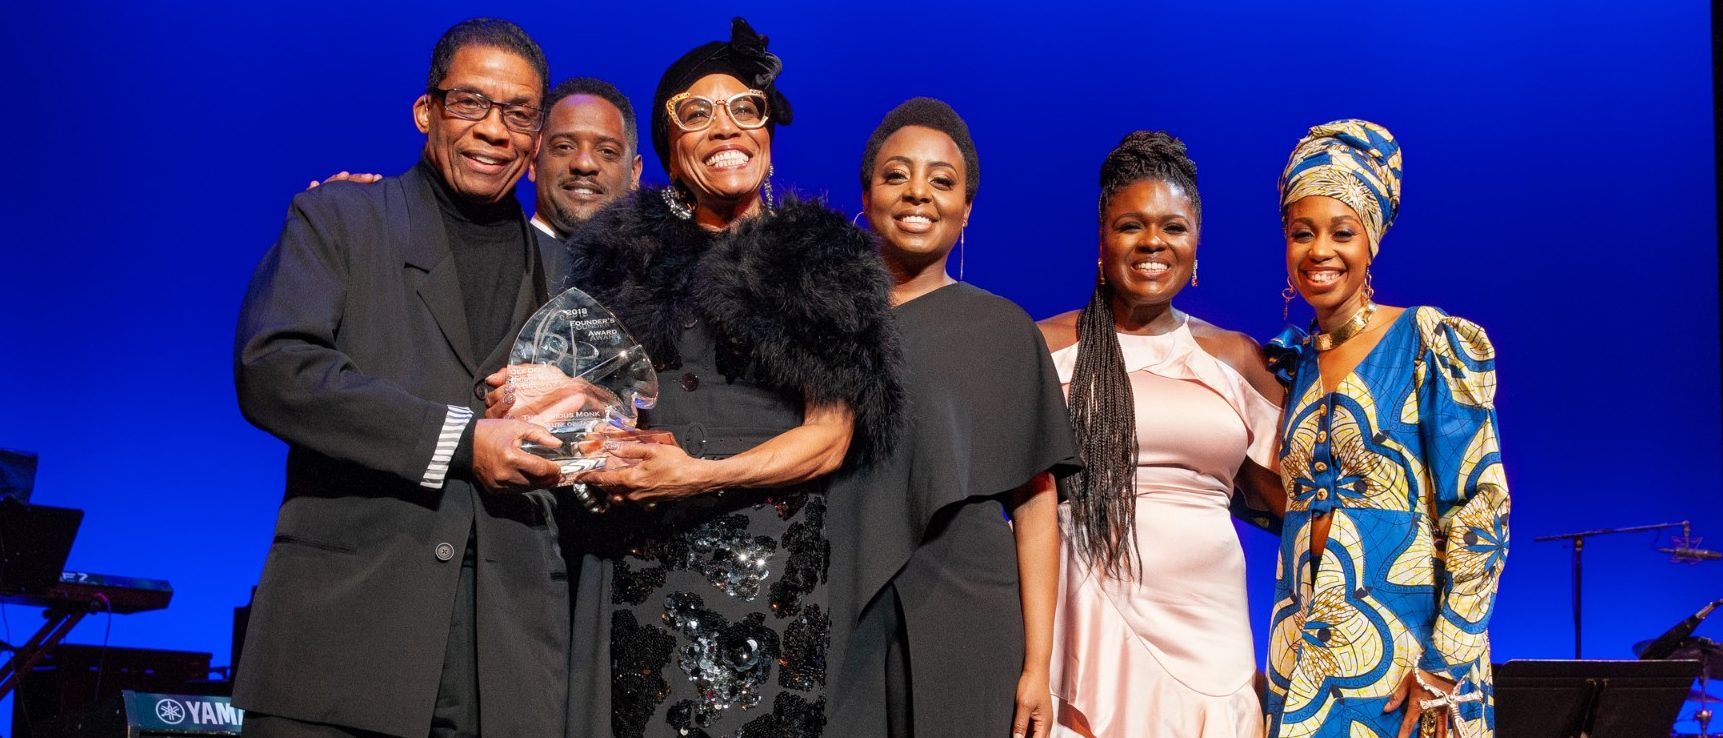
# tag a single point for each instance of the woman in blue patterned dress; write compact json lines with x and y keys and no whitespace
{"x":1397,"y":510}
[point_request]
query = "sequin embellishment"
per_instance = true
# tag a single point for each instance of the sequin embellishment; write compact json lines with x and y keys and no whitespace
{"x":803,"y":665}
{"x":733,"y":561}
{"x":638,"y":654}
{"x":631,"y":586}
{"x":727,"y":662}
{"x":793,"y":716}
{"x":809,"y":555}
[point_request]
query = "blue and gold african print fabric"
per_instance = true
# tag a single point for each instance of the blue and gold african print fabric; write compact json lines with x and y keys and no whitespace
{"x":1354,"y":161}
{"x":1411,"y":429}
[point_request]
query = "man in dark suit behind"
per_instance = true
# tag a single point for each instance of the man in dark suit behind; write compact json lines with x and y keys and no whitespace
{"x":590,"y":157}
{"x":414,"y":570}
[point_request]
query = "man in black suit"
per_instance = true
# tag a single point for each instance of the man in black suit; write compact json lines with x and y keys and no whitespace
{"x":414,"y":570}
{"x":590,"y":157}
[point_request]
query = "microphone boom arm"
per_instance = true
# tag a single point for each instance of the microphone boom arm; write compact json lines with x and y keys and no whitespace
{"x":1578,"y":541}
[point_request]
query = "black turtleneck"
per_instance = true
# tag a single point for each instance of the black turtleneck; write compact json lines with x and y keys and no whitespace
{"x":489,"y":241}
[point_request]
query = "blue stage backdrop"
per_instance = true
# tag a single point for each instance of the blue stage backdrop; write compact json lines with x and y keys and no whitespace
{"x":1559,"y":190}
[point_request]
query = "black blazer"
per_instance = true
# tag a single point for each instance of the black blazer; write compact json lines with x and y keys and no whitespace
{"x":353,"y":348}
{"x":556,"y":257}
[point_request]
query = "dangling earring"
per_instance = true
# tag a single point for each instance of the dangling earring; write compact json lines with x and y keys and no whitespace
{"x":1194,"y":264}
{"x":771,"y":204}
{"x":1100,"y":274}
{"x":960,"y":238}
{"x":676,"y":200}
{"x":1286,"y":296}
{"x":1369,"y":289}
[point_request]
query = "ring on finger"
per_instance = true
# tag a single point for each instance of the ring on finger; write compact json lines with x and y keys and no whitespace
{"x":1427,"y":722}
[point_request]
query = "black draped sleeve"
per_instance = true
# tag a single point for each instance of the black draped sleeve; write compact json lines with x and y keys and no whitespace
{"x":986,"y":415}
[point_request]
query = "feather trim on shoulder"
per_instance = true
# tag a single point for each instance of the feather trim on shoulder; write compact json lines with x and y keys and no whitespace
{"x":798,"y":299}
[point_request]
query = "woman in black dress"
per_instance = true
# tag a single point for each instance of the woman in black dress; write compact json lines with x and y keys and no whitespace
{"x":702,"y":609}
{"x":943,"y":610}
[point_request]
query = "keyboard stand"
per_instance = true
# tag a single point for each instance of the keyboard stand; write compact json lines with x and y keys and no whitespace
{"x":61,"y":619}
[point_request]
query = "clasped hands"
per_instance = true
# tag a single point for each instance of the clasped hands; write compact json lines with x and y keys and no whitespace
{"x":643,"y":473}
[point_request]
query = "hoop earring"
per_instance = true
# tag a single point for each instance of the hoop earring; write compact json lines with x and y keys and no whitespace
{"x":674,"y":198}
{"x":1194,"y":264}
{"x":856,"y":220}
{"x":960,"y":249}
{"x":1286,"y":296}
{"x":771,"y":204}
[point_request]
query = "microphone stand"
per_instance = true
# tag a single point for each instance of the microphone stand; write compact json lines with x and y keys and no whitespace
{"x":1578,"y":541}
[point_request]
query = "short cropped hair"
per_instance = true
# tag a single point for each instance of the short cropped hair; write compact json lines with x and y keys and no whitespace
{"x":927,"y":113}
{"x":493,"y":32}
{"x":606,"y":91}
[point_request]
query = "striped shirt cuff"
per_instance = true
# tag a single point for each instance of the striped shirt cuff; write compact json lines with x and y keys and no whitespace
{"x":453,"y":425}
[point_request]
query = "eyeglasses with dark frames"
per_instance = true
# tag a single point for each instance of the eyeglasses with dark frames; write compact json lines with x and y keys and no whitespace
{"x":469,"y":105}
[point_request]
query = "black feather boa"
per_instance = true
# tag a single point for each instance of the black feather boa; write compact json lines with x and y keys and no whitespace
{"x":798,"y":298}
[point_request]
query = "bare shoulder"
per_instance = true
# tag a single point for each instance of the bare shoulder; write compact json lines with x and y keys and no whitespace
{"x":1059,"y":330}
{"x":1240,"y":352}
{"x":1227,"y":345}
{"x":1386,"y":315}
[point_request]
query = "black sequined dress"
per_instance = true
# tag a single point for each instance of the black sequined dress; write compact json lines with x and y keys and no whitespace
{"x":718,"y":618}
{"x":707,"y":617}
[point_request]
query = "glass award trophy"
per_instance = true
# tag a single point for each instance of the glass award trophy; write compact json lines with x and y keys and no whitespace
{"x":576,"y":371}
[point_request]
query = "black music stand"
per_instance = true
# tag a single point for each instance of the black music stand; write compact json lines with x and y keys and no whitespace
{"x":34,"y":543}
{"x":1599,"y":699}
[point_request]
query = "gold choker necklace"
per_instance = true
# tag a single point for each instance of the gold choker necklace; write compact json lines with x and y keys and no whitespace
{"x":1324,"y":341}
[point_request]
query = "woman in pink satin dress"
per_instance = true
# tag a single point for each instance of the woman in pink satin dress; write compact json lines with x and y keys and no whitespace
{"x":1152,"y":635}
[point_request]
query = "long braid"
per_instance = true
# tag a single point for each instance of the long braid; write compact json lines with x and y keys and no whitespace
{"x":1103,"y":497}
{"x":1103,"y":413}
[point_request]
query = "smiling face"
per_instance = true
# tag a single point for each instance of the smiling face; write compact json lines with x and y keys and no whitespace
{"x":481,"y":159}
{"x":723,"y":165}
{"x":1327,"y":254}
{"x":1148,"y":243}
{"x":585,"y":162}
{"x":915,"y":200}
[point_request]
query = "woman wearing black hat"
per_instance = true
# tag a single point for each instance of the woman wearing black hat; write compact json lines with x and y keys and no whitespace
{"x":770,"y":328}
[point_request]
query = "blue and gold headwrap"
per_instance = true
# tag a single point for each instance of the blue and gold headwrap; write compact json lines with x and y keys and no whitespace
{"x":1354,"y":161}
